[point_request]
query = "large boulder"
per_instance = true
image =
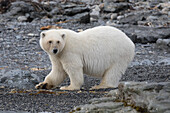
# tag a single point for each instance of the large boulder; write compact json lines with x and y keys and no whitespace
{"x":145,"y":34}
{"x":131,"y":97}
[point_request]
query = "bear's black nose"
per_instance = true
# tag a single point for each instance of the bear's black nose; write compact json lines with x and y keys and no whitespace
{"x":55,"y":51}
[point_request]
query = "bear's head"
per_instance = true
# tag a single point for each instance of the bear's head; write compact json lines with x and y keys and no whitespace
{"x":52,"y":41}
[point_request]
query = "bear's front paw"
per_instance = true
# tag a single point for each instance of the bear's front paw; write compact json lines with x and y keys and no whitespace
{"x":69,"y":88}
{"x":99,"y":87}
{"x":43,"y":85}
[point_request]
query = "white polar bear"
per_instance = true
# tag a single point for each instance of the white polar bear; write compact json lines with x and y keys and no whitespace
{"x":102,"y":51}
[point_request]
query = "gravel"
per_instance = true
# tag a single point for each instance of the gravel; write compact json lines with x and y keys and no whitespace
{"x":23,"y":63}
{"x":34,"y":101}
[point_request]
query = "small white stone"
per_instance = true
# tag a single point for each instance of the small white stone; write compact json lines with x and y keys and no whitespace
{"x":22,"y":18}
{"x":113,"y":16}
{"x":120,"y":17}
{"x":32,"y":34}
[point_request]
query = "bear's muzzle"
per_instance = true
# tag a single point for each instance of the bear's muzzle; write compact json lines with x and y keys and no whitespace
{"x":55,"y":51}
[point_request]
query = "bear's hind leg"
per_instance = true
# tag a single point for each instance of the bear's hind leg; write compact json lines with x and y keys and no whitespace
{"x":110,"y":78}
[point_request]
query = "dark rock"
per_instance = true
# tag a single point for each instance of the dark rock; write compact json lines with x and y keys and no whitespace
{"x":146,"y":62}
{"x":55,"y":11}
{"x":23,"y":7}
{"x":115,"y":7}
{"x":30,"y":10}
{"x":3,"y":79}
{"x":76,"y":10}
{"x":165,"y":7}
{"x":153,"y":3}
{"x":106,"y":16}
{"x":8,"y":111}
{"x":146,"y":94}
{"x":82,"y":17}
{"x":95,"y":13}
{"x":99,"y":107}
{"x":163,"y":42}
{"x":143,"y":34}
{"x":116,"y":1}
{"x":4,"y":5}
{"x":92,"y":2}
{"x":18,"y":78}
{"x":152,"y":18}
{"x":164,"y":62}
{"x":133,"y":18}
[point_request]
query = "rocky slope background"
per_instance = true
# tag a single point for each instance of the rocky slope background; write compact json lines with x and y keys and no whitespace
{"x":23,"y":64}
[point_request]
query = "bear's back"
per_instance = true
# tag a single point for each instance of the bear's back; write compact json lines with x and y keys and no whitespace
{"x":103,"y":46}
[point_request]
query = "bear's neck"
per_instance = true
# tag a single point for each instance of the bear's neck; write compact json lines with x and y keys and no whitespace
{"x":53,"y":58}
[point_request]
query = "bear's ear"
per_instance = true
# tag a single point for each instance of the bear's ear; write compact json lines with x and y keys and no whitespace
{"x":42,"y":34}
{"x":63,"y":36}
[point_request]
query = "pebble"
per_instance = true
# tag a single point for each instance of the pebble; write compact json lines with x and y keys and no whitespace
{"x":146,"y":62}
{"x":2,"y":87}
{"x":55,"y":11}
{"x":95,"y":13}
{"x":152,"y":18}
{"x":120,"y":17}
{"x":113,"y":16}
{"x":33,"y":35}
{"x":1,"y":39}
{"x":18,"y":37}
{"x":164,"y":42}
{"x":164,"y":62}
{"x":22,"y":18}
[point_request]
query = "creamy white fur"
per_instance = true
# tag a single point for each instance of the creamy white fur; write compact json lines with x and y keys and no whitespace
{"x":101,"y":52}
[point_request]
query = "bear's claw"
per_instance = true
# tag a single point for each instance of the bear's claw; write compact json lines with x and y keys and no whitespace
{"x":41,"y":86}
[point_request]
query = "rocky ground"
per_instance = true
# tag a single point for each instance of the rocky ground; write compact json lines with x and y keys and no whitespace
{"x":131,"y":97}
{"x":23,"y":63}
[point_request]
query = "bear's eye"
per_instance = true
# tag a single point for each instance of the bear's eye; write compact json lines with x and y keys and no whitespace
{"x":49,"y":42}
{"x":58,"y":42}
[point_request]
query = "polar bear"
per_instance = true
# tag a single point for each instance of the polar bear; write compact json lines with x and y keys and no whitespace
{"x":102,"y":51}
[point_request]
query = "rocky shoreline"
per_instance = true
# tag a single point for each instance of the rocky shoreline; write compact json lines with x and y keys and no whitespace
{"x":23,"y":64}
{"x":131,"y":97}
